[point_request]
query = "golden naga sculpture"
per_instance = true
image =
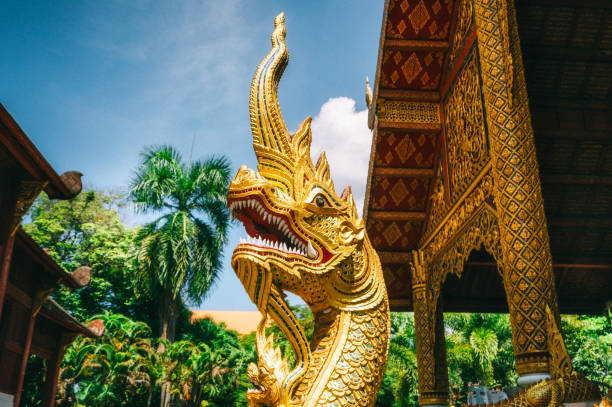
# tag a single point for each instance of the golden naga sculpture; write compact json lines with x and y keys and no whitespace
{"x":305,"y":239}
{"x":565,"y":384}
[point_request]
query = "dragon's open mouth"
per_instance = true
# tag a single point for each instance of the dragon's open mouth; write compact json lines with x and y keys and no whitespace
{"x":269,"y":229}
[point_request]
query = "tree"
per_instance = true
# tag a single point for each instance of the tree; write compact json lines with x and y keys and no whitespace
{"x":120,"y":368}
{"x":479,"y":348}
{"x":399,"y":386}
{"x":87,"y":231}
{"x":181,"y":250}
{"x":589,"y":343}
{"x":484,"y":344}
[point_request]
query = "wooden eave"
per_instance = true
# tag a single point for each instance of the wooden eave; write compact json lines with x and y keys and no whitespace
{"x":55,"y":313}
{"x":25,"y":153}
{"x":47,"y":264}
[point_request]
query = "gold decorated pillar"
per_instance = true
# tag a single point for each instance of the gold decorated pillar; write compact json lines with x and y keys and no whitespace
{"x":429,"y":335}
{"x":527,"y":263}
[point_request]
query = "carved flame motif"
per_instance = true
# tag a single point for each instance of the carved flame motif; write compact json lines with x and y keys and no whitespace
{"x":305,"y":239}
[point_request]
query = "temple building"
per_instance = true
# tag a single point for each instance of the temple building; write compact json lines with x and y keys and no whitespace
{"x":489,"y":186}
{"x":31,"y":323}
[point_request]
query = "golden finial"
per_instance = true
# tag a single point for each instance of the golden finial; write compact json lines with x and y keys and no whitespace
{"x":368,"y":93}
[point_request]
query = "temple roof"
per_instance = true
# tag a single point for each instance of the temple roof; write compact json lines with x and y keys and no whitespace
{"x":567,"y":55}
{"x":20,"y":151}
{"x":46,"y":263}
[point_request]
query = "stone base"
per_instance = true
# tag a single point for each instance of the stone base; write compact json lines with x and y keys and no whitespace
{"x":439,"y":405}
{"x":529,"y":379}
{"x":582,"y":403}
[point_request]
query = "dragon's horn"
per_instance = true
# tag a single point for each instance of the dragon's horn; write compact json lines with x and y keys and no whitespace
{"x":271,"y":139}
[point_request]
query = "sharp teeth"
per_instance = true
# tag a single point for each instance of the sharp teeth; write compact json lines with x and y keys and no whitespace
{"x":312,"y":253}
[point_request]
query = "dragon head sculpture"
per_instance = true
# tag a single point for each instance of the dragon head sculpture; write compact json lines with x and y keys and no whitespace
{"x":302,"y":237}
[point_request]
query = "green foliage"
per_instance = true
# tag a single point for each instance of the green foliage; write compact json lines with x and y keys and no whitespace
{"x":399,"y":386}
{"x":484,"y":345}
{"x":479,"y":348}
{"x":119,"y":368}
{"x":181,"y":247}
{"x":589,"y":343}
{"x":32,"y":388}
{"x":180,"y":252}
{"x":86,"y":231}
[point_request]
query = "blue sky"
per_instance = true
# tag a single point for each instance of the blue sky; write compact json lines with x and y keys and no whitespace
{"x":93,"y":83}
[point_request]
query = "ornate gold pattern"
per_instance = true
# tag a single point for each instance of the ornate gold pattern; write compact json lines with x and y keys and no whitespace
{"x":411,"y":112}
{"x":480,"y":231}
{"x":465,"y":128}
{"x":433,"y":244}
{"x":465,"y":22}
{"x":429,"y":335}
{"x":565,"y":385}
{"x":438,"y":206}
{"x":560,"y":362}
{"x":605,"y":402}
{"x":27,"y":194}
{"x":528,"y":276}
{"x":305,"y":239}
{"x":556,"y":392}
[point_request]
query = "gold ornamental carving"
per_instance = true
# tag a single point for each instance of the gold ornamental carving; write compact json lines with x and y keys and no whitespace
{"x":528,"y":275}
{"x":27,"y":193}
{"x":464,"y":24}
{"x":438,"y":205}
{"x":565,"y":385}
{"x":305,"y":239}
{"x":408,"y":112}
{"x":450,"y":227}
{"x":464,"y":126}
{"x":480,"y":231}
{"x":429,"y":335}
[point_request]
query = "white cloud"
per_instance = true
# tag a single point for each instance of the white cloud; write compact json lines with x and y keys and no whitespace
{"x":342,"y":132}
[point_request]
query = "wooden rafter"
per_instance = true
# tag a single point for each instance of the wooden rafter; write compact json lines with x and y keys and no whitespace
{"x":404,"y":172}
{"x":409,"y":216}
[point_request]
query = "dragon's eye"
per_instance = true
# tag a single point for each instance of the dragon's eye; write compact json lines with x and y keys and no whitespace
{"x":320,"y":201}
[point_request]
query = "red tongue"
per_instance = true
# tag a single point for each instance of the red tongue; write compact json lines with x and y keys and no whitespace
{"x":256,"y":229}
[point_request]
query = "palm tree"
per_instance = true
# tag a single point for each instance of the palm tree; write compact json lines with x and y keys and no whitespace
{"x":484,"y":343}
{"x":180,"y":252}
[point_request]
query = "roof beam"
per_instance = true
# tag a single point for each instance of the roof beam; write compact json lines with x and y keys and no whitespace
{"x":599,"y":4}
{"x":580,"y":222}
{"x":404,"y":172}
{"x":424,"y":127}
{"x":409,"y":95}
{"x":587,"y":103}
{"x":577,"y":179}
{"x":549,"y":136}
{"x":601,"y":267}
{"x":395,"y":258}
{"x":416,"y":45}
{"x":566,"y":54}
{"x":408,"y":216}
